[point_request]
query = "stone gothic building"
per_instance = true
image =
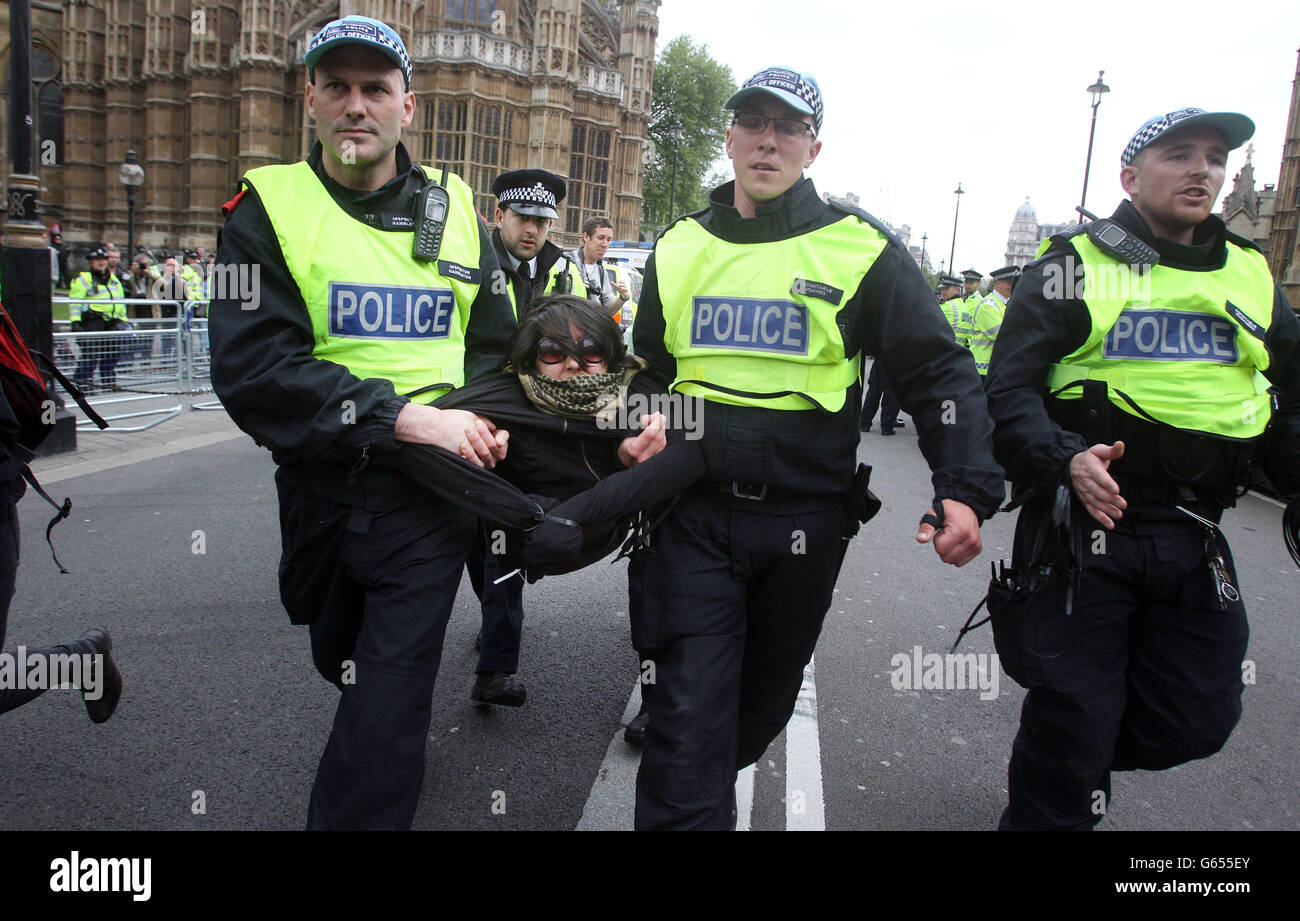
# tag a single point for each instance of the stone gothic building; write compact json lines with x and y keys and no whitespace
{"x":207,"y":89}
{"x":1248,"y":211}
{"x":1284,"y":253}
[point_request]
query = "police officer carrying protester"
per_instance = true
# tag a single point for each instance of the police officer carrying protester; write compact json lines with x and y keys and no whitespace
{"x":532,"y":267}
{"x":728,"y":598}
{"x":988,"y":318}
{"x":375,"y":297}
{"x":1134,"y":394}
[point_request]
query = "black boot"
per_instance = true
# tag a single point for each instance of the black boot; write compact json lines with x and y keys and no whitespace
{"x":108,"y":681}
{"x":500,"y":688}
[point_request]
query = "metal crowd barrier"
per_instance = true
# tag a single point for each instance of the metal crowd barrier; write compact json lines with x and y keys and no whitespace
{"x":151,"y":371}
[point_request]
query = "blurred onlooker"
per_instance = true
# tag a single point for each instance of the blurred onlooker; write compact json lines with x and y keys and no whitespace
{"x":59,"y":269}
{"x":115,"y":263}
{"x":140,"y":284}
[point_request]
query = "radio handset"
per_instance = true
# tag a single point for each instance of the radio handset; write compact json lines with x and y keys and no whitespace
{"x":431,"y":207}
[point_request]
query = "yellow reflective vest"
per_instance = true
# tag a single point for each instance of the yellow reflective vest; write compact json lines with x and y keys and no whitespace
{"x":105,"y":299}
{"x":1173,"y":346}
{"x":988,"y":321}
{"x":374,"y":308}
{"x":754,"y":324}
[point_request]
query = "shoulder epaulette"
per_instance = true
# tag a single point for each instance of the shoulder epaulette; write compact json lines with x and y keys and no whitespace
{"x":692,"y":214}
{"x":840,"y":204}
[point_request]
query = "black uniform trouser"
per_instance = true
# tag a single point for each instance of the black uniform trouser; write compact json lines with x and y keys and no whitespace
{"x":879,"y":396}
{"x":379,"y":636}
{"x":502,"y":605}
{"x":1144,"y":674}
{"x":728,"y":603}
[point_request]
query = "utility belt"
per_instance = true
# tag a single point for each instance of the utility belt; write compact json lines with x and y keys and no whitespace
{"x":860,"y":504}
{"x":1152,"y":451}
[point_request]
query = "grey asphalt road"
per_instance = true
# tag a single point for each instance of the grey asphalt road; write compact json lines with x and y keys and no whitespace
{"x":223,"y":709}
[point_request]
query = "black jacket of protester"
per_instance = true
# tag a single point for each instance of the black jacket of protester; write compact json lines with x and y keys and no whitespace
{"x":262,"y":363}
{"x":892,"y":315}
{"x":1039,"y":331}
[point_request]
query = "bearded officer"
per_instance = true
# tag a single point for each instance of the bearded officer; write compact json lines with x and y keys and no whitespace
{"x":1134,"y":396}
{"x":354,"y":331}
{"x":729,"y":596}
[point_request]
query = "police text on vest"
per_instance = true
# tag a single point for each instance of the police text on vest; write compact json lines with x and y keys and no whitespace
{"x":368,"y":311}
{"x":1172,"y":335}
{"x":750,"y":323}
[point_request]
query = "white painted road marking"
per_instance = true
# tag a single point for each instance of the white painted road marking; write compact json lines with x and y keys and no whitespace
{"x":611,"y":804}
{"x":804,"y":808}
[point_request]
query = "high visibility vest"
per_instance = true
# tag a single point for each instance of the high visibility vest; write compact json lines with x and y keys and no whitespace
{"x":107,"y":298}
{"x":988,"y":322}
{"x":954,"y":311}
{"x":1178,"y":347}
{"x":562,"y":266}
{"x":753,"y":324}
{"x":193,"y":282}
{"x":374,"y":309}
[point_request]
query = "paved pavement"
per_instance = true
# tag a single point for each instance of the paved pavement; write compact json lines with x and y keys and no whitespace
{"x":173,"y":544}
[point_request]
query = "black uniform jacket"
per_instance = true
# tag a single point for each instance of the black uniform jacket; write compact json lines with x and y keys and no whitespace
{"x":262,"y":363}
{"x":892,"y":315}
{"x":1039,"y":330}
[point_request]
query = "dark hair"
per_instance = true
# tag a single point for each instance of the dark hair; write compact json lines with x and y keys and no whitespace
{"x":551,"y":316}
{"x":589,"y":228}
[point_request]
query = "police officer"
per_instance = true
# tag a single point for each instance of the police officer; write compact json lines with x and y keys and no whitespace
{"x":526,"y":210}
{"x":988,"y":319}
{"x":101,"y":310}
{"x":1133,"y":393}
{"x":952,"y":300}
{"x":532,"y":267}
{"x":728,"y":598}
{"x":355,"y":332}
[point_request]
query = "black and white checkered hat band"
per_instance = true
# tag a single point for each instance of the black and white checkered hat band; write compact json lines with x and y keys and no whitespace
{"x":533,"y":195}
{"x":1152,"y":130}
{"x":790,"y":82}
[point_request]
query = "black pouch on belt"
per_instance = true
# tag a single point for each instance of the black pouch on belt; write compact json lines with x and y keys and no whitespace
{"x":860,"y":503}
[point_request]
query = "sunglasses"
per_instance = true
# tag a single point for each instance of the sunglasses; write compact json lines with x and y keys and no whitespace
{"x":586,"y":350}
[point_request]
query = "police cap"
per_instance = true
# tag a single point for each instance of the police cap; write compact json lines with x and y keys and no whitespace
{"x":359,"y":30}
{"x":97,"y":253}
{"x":533,"y":192}
{"x":972,"y":275}
{"x":1006,"y":273}
{"x":1236,"y":129}
{"x":798,"y":90}
{"x":949,"y":281}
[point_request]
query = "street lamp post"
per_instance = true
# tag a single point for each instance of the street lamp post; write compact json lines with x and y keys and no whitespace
{"x":923,"y":239}
{"x":677,"y":143}
{"x":959,"y":193}
{"x":1097,"y":90}
{"x":132,"y":175}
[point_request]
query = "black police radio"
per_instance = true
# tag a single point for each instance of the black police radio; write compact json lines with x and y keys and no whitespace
{"x":1117,"y":241}
{"x":430,"y":216}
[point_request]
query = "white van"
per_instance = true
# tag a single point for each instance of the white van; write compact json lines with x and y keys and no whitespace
{"x":629,"y":252}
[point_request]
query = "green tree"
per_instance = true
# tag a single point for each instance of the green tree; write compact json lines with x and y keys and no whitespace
{"x":690,"y":90}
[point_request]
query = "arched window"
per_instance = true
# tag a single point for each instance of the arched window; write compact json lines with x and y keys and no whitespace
{"x":47,"y":93}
